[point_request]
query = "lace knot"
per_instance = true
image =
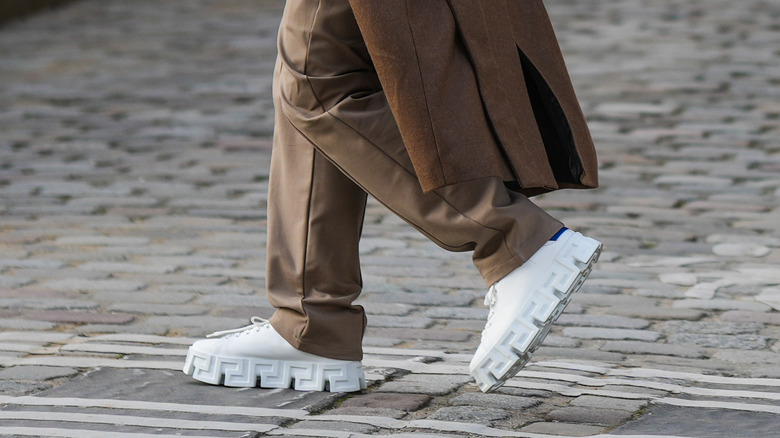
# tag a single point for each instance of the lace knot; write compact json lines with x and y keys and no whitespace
{"x":490,"y":296}
{"x":490,"y":300}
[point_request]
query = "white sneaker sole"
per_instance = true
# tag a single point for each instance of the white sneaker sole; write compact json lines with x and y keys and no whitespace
{"x":529,"y":328}
{"x":327,"y":375}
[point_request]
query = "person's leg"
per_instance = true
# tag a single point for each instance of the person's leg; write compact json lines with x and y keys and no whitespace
{"x":315,"y":216}
{"x":313,"y":341}
{"x":315,"y":211}
{"x":329,"y":101}
{"x":328,"y":91}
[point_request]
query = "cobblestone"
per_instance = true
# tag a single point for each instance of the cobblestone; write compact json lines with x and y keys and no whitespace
{"x":64,"y":316}
{"x":716,"y":328}
{"x":697,"y":422}
{"x":746,"y":342}
{"x":207,"y":289}
{"x":323,"y":426}
{"x":508,"y":402}
{"x":158,"y":309}
{"x":93,"y":285}
{"x":659,"y":313}
{"x":377,"y":400}
{"x":561,"y":341}
{"x":47,"y":303}
{"x":44,"y":337}
{"x":422,"y":384}
{"x":102,"y":241}
{"x":16,"y":388}
{"x":770,"y":297}
{"x":372,"y":412}
{"x":751,"y":317}
{"x":36,"y":373}
{"x":430,"y":298}
{"x":197,"y":326}
{"x":24,"y":324}
{"x":144,"y":297}
{"x":562,"y":429}
{"x":133,"y":189}
{"x":605,"y":333}
{"x":400,"y":321}
{"x":8,"y":282}
{"x":420,"y":334}
{"x":588,"y":415}
{"x":131,"y":268}
{"x":602,"y":321}
{"x":31,"y":263}
{"x":748,"y":357}
{"x":469,"y":415}
{"x":62,"y":273}
{"x":637,"y":347}
{"x":590,"y":401}
{"x":250,"y":301}
{"x":577,"y":353}
{"x":387,"y":308}
{"x":720,"y":304}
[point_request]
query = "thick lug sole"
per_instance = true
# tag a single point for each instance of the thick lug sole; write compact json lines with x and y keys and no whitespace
{"x":333,"y":376}
{"x":525,"y":333}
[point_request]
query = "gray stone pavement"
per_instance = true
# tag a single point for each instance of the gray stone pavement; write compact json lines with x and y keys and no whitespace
{"x":134,"y":150}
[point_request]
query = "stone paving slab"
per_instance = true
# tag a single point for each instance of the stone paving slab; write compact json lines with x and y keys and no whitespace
{"x":134,"y":151}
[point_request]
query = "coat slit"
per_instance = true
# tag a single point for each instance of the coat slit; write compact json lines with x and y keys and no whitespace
{"x":479,"y":89}
{"x":553,"y":125}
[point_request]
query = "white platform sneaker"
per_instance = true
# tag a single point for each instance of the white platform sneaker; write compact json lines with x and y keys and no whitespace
{"x":256,"y":355}
{"x":525,"y":303}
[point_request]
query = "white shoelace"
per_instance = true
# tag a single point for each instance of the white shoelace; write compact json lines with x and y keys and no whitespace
{"x":257,"y":323}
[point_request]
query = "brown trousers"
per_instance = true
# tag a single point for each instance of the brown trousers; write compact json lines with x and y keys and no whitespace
{"x":335,"y":141}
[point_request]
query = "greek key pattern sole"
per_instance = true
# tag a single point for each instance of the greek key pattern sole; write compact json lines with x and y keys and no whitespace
{"x":333,"y":376}
{"x":571,"y":268}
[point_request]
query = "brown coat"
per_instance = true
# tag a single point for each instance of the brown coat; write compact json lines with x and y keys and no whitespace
{"x":479,"y":88}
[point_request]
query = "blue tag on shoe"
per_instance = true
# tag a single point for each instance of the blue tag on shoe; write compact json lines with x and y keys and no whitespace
{"x":558,"y":234}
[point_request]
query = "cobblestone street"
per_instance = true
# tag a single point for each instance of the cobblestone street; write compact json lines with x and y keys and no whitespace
{"x":135,"y":140}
